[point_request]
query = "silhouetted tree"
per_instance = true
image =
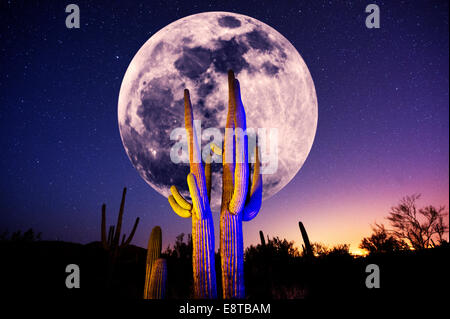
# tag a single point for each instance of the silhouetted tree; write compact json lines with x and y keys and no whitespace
{"x":276,"y":248}
{"x":418,"y":226}
{"x":319,"y":249}
{"x":339,"y":250}
{"x":282,"y":248}
{"x":381,"y":242}
{"x":322,"y":250}
{"x":28,"y":236}
{"x":4,"y":236}
{"x":180,"y":249}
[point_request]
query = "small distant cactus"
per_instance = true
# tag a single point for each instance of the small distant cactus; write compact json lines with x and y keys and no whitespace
{"x":261,"y":236}
{"x":158,"y":280}
{"x":110,"y":236}
{"x":112,"y":243}
{"x":307,"y":247}
{"x":153,"y":254}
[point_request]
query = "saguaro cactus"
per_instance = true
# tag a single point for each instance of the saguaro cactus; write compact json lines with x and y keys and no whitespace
{"x":202,"y":223}
{"x":307,"y":247}
{"x":112,"y":243}
{"x":158,"y":280}
{"x":239,"y":203}
{"x":261,"y":236}
{"x":153,"y":253}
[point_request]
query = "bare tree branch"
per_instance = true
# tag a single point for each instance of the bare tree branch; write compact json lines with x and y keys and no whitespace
{"x":417,"y":226}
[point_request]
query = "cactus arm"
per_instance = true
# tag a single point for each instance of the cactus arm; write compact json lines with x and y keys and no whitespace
{"x":241,"y":167}
{"x":261,"y":236}
{"x":179,"y":205}
{"x":309,"y":250}
{"x":119,"y":219}
{"x":104,"y":243}
{"x":180,"y":211}
{"x":216,"y":149}
{"x":208,"y":176}
{"x":257,"y":177}
{"x":208,"y":180}
{"x":111,"y":236}
{"x":130,"y":238}
{"x":253,"y":206}
{"x":182,"y":202}
{"x":199,"y":207}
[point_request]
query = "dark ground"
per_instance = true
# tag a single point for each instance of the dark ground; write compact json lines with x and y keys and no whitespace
{"x":38,"y":269}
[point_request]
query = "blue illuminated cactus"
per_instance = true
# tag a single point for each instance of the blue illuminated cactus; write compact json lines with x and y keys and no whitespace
{"x":239,"y":203}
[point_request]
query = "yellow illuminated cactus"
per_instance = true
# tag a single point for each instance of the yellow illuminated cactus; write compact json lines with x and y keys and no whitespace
{"x":153,"y":253}
{"x":199,"y":183}
{"x":158,"y":279}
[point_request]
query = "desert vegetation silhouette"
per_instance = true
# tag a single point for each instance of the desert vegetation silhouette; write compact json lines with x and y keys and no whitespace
{"x":275,"y":268}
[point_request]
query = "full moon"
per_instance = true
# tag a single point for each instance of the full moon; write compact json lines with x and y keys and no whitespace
{"x":196,"y":52}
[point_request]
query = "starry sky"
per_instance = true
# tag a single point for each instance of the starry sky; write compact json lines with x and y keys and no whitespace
{"x":383,"y":129}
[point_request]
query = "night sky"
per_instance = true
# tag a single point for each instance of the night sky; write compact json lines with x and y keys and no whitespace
{"x":383,"y":128}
